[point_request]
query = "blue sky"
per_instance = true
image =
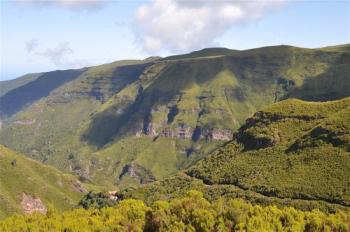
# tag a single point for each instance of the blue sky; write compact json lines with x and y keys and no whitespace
{"x":59,"y":34}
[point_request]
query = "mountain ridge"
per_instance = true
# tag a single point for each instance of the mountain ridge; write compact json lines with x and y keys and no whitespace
{"x":155,"y":117}
{"x":326,"y":48}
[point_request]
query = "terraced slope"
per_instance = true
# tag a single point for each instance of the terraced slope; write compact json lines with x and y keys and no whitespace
{"x":27,"y":185}
{"x":132,"y":122}
{"x":291,"y":153}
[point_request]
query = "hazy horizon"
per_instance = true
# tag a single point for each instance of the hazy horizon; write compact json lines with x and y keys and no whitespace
{"x":45,"y":35}
{"x":142,"y":58}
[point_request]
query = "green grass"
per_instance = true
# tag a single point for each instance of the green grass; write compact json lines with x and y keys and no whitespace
{"x":40,"y":87}
{"x":204,"y":53}
{"x":338,"y":48}
{"x":6,"y":86}
{"x":22,"y":175}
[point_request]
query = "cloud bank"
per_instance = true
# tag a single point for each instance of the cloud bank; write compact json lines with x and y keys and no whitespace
{"x":184,"y":25}
{"x":67,"y":4}
{"x":60,"y":55}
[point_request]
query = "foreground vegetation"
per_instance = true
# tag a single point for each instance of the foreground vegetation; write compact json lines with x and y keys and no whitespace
{"x":190,"y":213}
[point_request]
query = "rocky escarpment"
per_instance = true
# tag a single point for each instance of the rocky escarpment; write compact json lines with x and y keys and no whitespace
{"x":184,"y":131}
{"x":168,"y":127}
{"x":137,"y":172}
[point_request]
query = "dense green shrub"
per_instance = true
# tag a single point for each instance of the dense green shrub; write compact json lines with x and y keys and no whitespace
{"x":96,"y":200}
{"x":190,"y":213}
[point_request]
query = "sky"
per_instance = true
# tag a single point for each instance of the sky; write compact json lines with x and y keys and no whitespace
{"x":45,"y":35}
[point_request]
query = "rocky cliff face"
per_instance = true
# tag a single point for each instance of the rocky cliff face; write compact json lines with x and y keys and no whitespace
{"x":184,"y":131}
{"x":218,"y":134}
{"x":162,"y":121}
{"x":137,"y":172}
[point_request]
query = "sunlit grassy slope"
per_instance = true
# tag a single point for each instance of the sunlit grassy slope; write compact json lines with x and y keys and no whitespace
{"x":204,"y":53}
{"x":131,"y":122}
{"x":290,"y":153}
{"x":20,"y":175}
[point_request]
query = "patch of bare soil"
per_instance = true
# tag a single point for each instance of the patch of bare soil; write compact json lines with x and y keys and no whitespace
{"x":30,"y":204}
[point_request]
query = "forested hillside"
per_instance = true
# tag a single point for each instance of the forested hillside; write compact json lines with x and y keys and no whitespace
{"x":290,"y":153}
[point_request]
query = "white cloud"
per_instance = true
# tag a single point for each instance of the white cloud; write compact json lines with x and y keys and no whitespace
{"x":57,"y":54}
{"x":67,"y":4}
{"x":31,"y":45}
{"x":184,"y":25}
{"x":60,"y":56}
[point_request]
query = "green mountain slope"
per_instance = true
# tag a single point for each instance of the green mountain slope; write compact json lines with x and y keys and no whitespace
{"x":291,"y":153}
{"x":6,"y":86}
{"x":24,"y":95}
{"x":132,"y":122}
{"x":26,"y":185}
{"x":207,"y":52}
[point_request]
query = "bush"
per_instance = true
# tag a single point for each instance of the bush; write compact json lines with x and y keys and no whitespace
{"x":190,"y":213}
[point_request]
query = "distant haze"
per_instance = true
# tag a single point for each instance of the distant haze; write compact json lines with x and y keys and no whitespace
{"x":58,"y":34}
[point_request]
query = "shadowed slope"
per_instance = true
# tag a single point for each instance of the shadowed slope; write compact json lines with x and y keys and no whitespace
{"x":8,"y":85}
{"x":21,"y":97}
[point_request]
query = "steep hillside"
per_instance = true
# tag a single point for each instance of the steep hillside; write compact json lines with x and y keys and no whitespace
{"x":6,"y":86}
{"x":24,"y":95}
{"x":291,"y":153}
{"x":132,"y":122}
{"x":27,"y":185}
